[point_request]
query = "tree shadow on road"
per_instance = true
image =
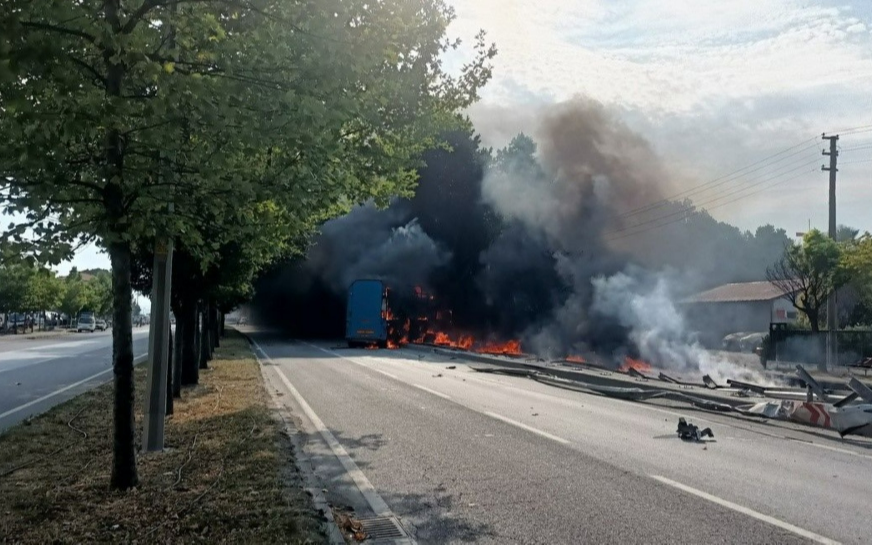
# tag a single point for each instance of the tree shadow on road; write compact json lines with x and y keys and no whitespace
{"x":439,"y":517}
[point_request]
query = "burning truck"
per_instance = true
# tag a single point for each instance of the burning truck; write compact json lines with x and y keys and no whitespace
{"x":382,"y":316}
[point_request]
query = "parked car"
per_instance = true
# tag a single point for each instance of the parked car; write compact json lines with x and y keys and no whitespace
{"x":750,"y":343}
{"x":101,"y":325}
{"x":86,"y":323}
{"x":731,"y":341}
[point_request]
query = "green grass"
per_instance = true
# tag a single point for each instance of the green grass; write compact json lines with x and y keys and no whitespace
{"x":223,"y":479}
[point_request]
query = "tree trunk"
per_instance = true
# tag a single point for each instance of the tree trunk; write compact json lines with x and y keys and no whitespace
{"x":813,"y":318}
{"x":190,"y":349}
{"x":124,"y":473}
{"x":205,"y":343}
{"x":177,"y":357}
{"x":216,"y":327}
{"x":223,"y":325}
{"x":170,"y":372}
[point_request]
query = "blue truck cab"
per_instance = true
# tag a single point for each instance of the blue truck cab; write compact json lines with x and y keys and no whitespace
{"x":366,"y":320}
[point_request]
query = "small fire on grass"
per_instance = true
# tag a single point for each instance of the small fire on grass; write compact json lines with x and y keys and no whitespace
{"x":638,"y":365}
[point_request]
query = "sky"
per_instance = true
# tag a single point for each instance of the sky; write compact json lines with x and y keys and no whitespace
{"x":714,"y":85}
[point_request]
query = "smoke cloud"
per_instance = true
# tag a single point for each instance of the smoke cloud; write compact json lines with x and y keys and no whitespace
{"x":377,"y":244}
{"x":643,"y":303}
{"x":518,"y":245}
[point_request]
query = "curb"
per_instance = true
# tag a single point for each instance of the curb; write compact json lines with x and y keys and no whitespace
{"x":282,"y":413}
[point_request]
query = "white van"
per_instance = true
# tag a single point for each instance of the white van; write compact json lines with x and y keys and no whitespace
{"x":86,"y":322}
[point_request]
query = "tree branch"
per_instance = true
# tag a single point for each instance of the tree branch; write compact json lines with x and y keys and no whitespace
{"x":136,"y":17}
{"x":60,"y":30}
{"x":93,"y":71}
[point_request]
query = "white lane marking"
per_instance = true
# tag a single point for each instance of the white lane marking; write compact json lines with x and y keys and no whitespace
{"x":674,"y":413}
{"x":434,"y":392}
{"x":372,"y":497}
{"x":444,"y":396}
{"x":749,"y":512}
{"x":340,"y":356}
{"x":526,"y":427}
{"x":61,"y":390}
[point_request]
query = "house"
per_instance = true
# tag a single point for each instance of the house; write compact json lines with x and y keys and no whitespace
{"x":745,"y":306}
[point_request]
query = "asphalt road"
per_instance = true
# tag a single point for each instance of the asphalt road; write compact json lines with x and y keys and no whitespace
{"x":464,"y":457}
{"x":36,"y":374}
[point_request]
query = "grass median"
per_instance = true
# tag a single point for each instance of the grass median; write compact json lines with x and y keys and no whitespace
{"x":226,"y":476}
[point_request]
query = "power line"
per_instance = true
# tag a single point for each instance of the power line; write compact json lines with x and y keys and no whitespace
{"x":853,"y":130}
{"x":685,"y":213}
{"x":855,"y":148}
{"x":727,"y":177}
{"x":732,"y":191}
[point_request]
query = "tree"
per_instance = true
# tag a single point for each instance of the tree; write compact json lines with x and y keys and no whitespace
{"x":808,"y":273}
{"x":844,"y":233}
{"x":100,"y":292}
{"x":14,"y":277}
{"x":857,"y":262}
{"x":113,"y":109}
{"x":74,"y":298}
{"x":43,"y":291}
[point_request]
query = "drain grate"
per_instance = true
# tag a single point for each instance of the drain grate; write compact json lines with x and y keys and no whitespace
{"x":382,"y":528}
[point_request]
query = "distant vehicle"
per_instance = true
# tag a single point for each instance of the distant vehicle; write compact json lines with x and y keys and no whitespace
{"x":86,"y":322}
{"x":750,"y":343}
{"x":101,"y":325}
{"x":731,"y":341}
{"x":366,"y":320}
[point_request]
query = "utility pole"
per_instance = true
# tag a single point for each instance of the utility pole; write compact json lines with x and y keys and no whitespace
{"x":832,"y":322}
{"x":158,"y":346}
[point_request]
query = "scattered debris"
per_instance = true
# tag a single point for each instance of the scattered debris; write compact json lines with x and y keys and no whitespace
{"x":451,"y":367}
{"x":350,"y":526}
{"x":689,"y":432}
{"x":437,"y":375}
{"x":710,"y":383}
{"x":535,"y":414}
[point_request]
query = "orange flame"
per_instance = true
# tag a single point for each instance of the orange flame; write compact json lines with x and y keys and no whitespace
{"x":575,"y":359}
{"x":507,"y":348}
{"x":638,"y":365}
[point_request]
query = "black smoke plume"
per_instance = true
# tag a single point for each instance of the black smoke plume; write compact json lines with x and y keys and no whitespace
{"x":519,"y":244}
{"x":509,"y":243}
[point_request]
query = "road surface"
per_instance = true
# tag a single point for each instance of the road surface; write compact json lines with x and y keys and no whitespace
{"x":37,"y":374}
{"x":462,"y":457}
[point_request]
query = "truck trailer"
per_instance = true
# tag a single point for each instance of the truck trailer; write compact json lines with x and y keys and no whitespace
{"x":366,"y":318}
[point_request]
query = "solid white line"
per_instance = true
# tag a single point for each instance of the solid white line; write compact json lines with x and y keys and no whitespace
{"x":749,"y":512}
{"x":526,"y":427}
{"x":61,"y":390}
{"x":372,"y":497}
{"x":434,"y":392}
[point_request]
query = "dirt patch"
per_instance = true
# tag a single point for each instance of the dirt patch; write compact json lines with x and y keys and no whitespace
{"x":222,"y":478}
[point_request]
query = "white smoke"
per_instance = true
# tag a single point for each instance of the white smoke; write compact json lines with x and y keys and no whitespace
{"x":643,"y":302}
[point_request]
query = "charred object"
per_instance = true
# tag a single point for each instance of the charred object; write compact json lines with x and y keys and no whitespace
{"x":689,"y":432}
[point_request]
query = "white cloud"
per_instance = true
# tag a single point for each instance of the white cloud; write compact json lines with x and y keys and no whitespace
{"x":714,"y":85}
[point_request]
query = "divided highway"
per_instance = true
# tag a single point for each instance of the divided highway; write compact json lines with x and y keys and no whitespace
{"x":36,"y":374}
{"x":462,"y":457}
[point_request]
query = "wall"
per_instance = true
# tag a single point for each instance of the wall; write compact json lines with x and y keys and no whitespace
{"x":716,"y":320}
